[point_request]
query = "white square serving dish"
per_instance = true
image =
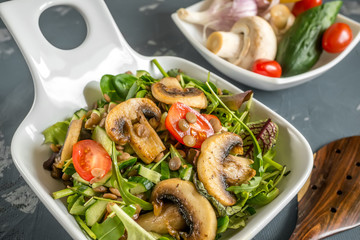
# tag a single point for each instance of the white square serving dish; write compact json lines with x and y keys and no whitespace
{"x":194,"y":34}
{"x":66,"y":80}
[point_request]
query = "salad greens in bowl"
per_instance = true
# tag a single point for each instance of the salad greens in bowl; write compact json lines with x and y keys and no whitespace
{"x":215,"y":154}
{"x":170,"y":157}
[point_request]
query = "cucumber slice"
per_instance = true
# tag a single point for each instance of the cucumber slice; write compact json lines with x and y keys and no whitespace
{"x":78,"y":207}
{"x":77,"y":177}
{"x":95,"y":212}
{"x":71,"y":200}
{"x":102,"y":181}
{"x":99,"y":135}
{"x":79,"y":114}
{"x":149,"y":174}
{"x":142,"y":184}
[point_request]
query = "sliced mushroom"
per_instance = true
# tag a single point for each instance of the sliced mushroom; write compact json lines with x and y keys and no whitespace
{"x":237,"y":170}
{"x":213,"y":167}
{"x":196,"y":210}
{"x":72,"y":136}
{"x":168,"y":90}
{"x":120,"y":123}
{"x":250,"y":38}
{"x":169,"y":217}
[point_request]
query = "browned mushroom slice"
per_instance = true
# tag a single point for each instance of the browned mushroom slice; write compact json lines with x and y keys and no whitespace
{"x":169,"y":91}
{"x":143,"y":139}
{"x":72,"y":136}
{"x":170,"y":216}
{"x":196,"y":210}
{"x":237,"y":170}
{"x":213,"y":169}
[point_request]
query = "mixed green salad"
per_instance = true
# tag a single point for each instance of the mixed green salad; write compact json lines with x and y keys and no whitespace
{"x":168,"y":158}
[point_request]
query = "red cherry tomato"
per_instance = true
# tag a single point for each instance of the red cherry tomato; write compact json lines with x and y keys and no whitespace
{"x":304,"y":5}
{"x":267,"y":68}
{"x":336,"y":38}
{"x":89,"y":155}
{"x":200,"y":130}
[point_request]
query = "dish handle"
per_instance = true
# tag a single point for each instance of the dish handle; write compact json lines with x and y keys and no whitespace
{"x":46,"y":61}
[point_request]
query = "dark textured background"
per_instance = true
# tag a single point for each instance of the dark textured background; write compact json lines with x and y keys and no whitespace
{"x":323,"y":110}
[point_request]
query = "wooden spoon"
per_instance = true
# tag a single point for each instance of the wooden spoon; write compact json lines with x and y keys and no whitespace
{"x":329,"y":202}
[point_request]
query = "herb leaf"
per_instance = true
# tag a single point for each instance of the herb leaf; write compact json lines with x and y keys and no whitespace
{"x":56,"y":133}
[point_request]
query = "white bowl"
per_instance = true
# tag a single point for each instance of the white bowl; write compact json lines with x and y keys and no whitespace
{"x":194,"y":34}
{"x":66,"y":80}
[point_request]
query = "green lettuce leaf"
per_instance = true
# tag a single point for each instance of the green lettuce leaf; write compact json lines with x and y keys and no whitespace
{"x":237,"y":220}
{"x":56,"y":133}
{"x":111,"y":228}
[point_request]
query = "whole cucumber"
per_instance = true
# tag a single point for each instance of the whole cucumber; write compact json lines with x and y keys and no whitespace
{"x":300,"y":47}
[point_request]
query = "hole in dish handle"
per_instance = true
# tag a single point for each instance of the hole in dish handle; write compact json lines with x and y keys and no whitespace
{"x":103,"y":38}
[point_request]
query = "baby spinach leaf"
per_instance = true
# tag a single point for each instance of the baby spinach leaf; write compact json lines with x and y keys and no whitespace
{"x":132,"y":91}
{"x":122,"y":84}
{"x":107,"y":87}
{"x":119,"y":87}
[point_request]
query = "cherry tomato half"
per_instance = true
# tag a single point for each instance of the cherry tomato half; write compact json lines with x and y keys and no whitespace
{"x":336,"y":38}
{"x":267,"y":67}
{"x":89,"y":155}
{"x":304,"y":5}
{"x":200,"y":130}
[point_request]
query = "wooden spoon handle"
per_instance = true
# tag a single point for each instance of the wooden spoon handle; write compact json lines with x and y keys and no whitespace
{"x":331,"y":203}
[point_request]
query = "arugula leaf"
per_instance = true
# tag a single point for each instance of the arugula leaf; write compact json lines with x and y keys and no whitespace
{"x":264,"y":198}
{"x":112,"y":227}
{"x":125,"y":186}
{"x":134,"y":230}
{"x":56,"y":133}
{"x":248,"y":187}
{"x":127,"y":163}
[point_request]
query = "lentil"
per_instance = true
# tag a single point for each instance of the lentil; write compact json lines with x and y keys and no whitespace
{"x":191,"y":117}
